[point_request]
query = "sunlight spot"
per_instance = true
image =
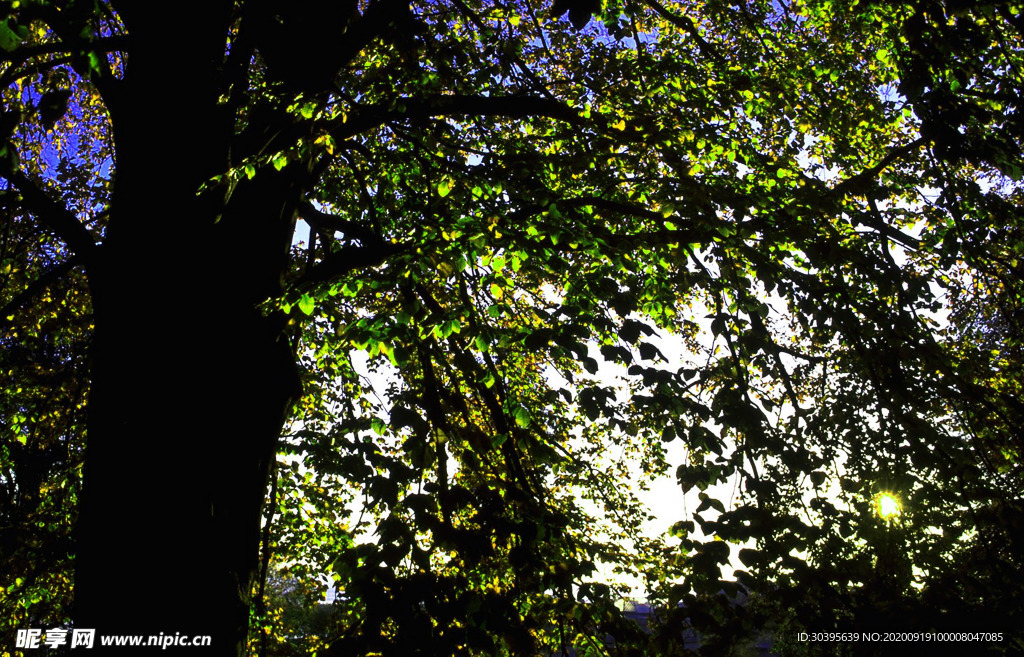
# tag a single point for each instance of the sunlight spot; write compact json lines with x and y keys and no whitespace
{"x":888,"y":506}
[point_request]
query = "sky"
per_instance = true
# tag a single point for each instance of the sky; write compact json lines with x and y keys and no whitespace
{"x":663,"y":497}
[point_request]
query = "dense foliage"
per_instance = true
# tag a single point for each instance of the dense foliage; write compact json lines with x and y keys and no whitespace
{"x":540,"y":259}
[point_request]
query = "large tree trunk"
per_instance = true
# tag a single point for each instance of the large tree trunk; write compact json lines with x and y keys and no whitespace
{"x":190,"y":381}
{"x":187,"y":402}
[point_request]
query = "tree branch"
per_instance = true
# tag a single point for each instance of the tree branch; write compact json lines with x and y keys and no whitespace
{"x":254,"y":140}
{"x":348,"y":259}
{"x":108,"y":44}
{"x":56,"y":218}
{"x":76,"y":37}
{"x":686,"y":24}
{"x":327,"y":224}
{"x":513,"y":107}
{"x":482,"y":27}
{"x":633,"y":209}
{"x":13,"y":73}
{"x":858,"y":181}
{"x":374,"y":22}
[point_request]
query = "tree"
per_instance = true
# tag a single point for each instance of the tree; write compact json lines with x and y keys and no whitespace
{"x":500,"y":207}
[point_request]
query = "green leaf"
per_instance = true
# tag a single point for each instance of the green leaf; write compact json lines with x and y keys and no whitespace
{"x":9,"y":39}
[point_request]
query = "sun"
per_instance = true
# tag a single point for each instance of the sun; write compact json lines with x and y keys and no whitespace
{"x":888,"y":506}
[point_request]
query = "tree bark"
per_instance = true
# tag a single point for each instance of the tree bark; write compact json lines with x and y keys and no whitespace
{"x":191,"y":381}
{"x":186,"y":406}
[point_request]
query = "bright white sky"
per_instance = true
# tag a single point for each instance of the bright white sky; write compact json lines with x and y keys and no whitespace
{"x":664,"y":497}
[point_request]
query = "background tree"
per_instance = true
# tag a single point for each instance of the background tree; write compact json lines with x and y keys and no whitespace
{"x":816,"y":199}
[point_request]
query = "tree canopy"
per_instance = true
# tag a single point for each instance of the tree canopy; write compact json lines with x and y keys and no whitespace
{"x":417,"y":296}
